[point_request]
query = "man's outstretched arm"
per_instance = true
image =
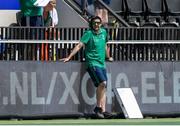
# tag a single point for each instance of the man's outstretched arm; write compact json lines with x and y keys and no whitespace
{"x":74,"y":51}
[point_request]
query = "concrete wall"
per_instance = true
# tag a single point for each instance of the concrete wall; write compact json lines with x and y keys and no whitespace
{"x":68,"y":17}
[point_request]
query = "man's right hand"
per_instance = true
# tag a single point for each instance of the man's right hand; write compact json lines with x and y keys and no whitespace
{"x":65,"y":59}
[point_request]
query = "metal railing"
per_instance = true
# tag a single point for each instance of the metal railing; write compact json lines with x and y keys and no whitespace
{"x":39,"y":33}
{"x":126,"y":44}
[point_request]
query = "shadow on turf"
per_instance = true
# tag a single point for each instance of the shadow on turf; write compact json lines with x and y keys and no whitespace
{"x":81,"y":115}
{"x":62,"y":116}
{"x":106,"y":116}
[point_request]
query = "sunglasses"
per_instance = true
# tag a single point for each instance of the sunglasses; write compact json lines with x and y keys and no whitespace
{"x":96,"y":22}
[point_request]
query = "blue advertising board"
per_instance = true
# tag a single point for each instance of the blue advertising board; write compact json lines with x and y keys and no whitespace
{"x":9,"y":5}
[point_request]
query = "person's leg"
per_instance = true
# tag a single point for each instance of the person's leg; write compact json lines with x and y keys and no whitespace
{"x":98,"y":76}
{"x":83,"y":6}
{"x":36,"y":21}
{"x":98,"y":12}
{"x":103,"y":14}
{"x":104,"y":17}
{"x":103,"y":104}
{"x":101,"y":96}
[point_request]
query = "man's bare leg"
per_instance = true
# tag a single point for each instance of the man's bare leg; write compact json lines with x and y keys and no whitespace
{"x":101,"y":96}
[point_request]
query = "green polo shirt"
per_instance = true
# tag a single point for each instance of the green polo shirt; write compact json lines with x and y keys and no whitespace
{"x":95,"y":47}
{"x":28,"y":8}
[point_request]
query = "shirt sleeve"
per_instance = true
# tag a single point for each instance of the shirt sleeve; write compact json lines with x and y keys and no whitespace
{"x":86,"y":36}
{"x":106,"y":34}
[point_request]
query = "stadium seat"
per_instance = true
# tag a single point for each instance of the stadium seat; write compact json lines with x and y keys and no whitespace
{"x":118,"y":7}
{"x":154,"y":11}
{"x":154,"y":7}
{"x":134,"y":7}
{"x":172,"y":7}
{"x":134,"y":11}
{"x":172,"y":10}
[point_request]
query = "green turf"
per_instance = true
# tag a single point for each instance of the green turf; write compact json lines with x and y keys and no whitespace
{"x":164,"y":121}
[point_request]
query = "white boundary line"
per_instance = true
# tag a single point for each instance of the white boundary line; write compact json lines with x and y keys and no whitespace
{"x":111,"y":42}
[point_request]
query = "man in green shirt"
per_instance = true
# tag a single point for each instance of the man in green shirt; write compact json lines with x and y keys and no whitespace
{"x":31,"y":14}
{"x":94,"y":40}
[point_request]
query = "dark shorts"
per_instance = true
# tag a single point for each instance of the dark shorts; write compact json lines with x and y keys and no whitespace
{"x":97,"y":74}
